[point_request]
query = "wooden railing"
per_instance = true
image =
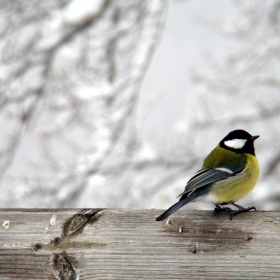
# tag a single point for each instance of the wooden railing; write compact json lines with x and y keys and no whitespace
{"x":130,"y":244}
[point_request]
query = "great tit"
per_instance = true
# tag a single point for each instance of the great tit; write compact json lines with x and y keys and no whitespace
{"x":228,"y":174}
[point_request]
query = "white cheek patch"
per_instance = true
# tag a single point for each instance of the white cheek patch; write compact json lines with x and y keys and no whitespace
{"x":235,"y":143}
{"x":224,"y":170}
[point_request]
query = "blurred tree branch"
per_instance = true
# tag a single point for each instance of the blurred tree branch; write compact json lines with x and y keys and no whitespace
{"x":242,"y":88}
{"x":69,"y":84}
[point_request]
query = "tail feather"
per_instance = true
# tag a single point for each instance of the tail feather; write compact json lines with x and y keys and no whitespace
{"x":186,"y":198}
{"x":172,"y":209}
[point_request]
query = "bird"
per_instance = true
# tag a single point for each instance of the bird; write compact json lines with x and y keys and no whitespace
{"x":228,"y":173}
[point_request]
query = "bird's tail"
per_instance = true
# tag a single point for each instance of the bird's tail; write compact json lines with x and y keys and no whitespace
{"x":186,"y":198}
{"x":172,"y":209}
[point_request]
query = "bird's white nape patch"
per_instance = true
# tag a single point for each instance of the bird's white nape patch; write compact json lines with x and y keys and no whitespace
{"x":235,"y":143}
{"x":224,"y":169}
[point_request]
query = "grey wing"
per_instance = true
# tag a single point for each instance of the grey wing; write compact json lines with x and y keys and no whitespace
{"x":209,"y":175}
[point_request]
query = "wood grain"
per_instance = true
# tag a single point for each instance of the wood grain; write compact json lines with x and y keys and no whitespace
{"x":130,"y":244}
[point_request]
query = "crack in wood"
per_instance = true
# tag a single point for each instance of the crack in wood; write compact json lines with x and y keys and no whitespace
{"x":75,"y":225}
{"x":64,"y":266}
{"x":71,"y":228}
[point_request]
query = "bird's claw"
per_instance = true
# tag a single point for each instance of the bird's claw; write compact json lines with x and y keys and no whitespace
{"x":221,"y":209}
{"x":240,"y":210}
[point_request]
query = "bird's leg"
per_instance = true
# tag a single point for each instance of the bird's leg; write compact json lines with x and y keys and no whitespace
{"x":221,"y":209}
{"x":240,"y":209}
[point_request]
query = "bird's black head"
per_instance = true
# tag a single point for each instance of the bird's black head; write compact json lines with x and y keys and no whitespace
{"x":239,"y":141}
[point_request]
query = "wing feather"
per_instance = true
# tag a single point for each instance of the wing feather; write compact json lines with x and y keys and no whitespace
{"x":207,"y":176}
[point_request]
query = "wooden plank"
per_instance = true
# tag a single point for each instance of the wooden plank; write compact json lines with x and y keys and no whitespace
{"x":130,"y":244}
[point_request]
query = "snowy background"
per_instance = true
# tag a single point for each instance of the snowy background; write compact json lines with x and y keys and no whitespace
{"x":116,"y":103}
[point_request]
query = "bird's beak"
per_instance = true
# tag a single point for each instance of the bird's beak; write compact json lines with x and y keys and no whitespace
{"x":254,"y":137}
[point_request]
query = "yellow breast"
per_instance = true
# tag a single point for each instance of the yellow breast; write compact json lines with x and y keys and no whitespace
{"x":236,"y":187}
